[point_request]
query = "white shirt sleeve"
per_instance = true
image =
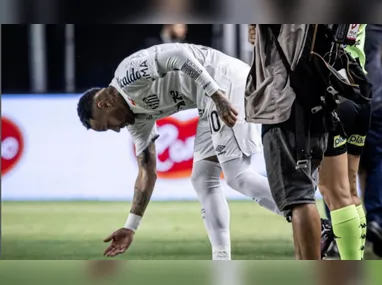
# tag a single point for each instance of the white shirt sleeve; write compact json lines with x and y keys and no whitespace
{"x":142,"y":134}
{"x":138,"y":71}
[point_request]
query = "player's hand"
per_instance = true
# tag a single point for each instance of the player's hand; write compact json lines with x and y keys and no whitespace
{"x":226,"y":111}
{"x":251,"y":33}
{"x":120,"y":242}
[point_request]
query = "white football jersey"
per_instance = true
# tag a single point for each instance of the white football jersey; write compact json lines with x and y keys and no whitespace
{"x":164,"y":79}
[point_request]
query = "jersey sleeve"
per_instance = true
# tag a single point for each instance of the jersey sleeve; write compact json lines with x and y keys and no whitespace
{"x":142,"y":70}
{"x":142,"y":135}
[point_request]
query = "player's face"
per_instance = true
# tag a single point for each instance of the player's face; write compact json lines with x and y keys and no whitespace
{"x":107,"y":122}
{"x":108,"y":117}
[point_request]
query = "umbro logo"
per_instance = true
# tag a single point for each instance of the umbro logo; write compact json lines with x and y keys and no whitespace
{"x":220,"y":148}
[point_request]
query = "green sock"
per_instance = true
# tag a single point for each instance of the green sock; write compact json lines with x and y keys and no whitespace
{"x":362,"y":218}
{"x":346,"y":228}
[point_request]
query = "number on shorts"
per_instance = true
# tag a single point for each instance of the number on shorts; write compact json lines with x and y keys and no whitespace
{"x":214,"y":121}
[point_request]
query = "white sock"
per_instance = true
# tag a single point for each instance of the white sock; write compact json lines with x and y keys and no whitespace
{"x":240,"y":176}
{"x":215,"y":211}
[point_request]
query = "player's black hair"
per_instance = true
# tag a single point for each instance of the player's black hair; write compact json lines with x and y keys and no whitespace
{"x":85,"y":106}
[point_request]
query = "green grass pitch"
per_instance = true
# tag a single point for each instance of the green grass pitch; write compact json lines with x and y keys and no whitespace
{"x":169,"y":231}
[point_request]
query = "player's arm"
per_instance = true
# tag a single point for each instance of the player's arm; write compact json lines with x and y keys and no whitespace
{"x":180,"y":58}
{"x":144,"y":137}
{"x":143,"y":70}
{"x":144,"y":186}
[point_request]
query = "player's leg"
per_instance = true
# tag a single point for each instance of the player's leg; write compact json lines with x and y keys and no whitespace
{"x":205,"y":180}
{"x":353,"y":166}
{"x":231,"y":146}
{"x":335,"y":188}
{"x":240,"y":176}
{"x":293,"y":189}
{"x":356,"y":141}
{"x":215,"y":211}
{"x":234,"y":148}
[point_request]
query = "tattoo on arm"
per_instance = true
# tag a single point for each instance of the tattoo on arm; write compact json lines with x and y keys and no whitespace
{"x":140,"y":202}
{"x":222,"y":103}
{"x":145,"y":182}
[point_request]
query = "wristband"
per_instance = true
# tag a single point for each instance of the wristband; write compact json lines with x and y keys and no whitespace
{"x":132,"y":222}
{"x":208,"y":84}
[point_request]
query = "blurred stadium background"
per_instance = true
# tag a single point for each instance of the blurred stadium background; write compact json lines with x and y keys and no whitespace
{"x":64,"y":189}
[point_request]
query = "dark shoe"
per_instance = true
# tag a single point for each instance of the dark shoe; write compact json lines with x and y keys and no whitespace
{"x":374,"y":235}
{"x":327,"y":237}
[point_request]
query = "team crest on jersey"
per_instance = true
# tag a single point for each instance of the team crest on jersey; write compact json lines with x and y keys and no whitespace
{"x":152,"y":101}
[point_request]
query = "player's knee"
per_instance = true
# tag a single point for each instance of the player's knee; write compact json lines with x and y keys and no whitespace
{"x":235,"y":180}
{"x":232,"y":182}
{"x":234,"y":172}
{"x":205,"y":176}
{"x":335,"y":196}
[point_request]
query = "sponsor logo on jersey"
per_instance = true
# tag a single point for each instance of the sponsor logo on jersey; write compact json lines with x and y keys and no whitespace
{"x":152,"y":101}
{"x":131,"y":76}
{"x":357,"y":140}
{"x":339,"y":141}
{"x":144,"y":69}
{"x":12,"y":145}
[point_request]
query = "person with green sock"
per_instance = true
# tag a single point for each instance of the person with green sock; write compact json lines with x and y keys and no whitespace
{"x":338,"y":171}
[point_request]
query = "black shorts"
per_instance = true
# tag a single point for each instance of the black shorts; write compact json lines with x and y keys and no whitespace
{"x":350,"y":134}
{"x":290,"y":186}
